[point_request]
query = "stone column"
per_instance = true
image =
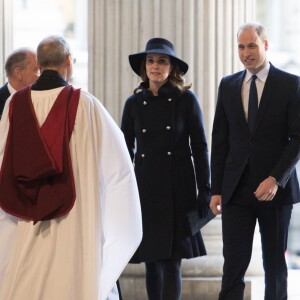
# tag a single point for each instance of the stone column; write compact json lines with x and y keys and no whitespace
{"x":204,"y":35}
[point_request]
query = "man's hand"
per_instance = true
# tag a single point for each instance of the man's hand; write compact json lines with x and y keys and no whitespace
{"x":216,"y":204}
{"x":267,"y":190}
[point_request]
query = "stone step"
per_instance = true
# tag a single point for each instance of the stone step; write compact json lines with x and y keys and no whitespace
{"x":195,"y":288}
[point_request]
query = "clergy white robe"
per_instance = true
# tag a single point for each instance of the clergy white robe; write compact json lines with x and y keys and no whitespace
{"x":80,"y":255}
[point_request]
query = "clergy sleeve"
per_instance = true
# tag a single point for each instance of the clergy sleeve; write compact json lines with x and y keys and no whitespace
{"x":122,"y":225}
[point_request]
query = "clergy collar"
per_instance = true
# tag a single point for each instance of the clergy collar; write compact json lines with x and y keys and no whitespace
{"x":49,"y":79}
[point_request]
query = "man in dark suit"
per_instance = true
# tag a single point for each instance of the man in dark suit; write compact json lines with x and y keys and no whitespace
{"x":21,"y":69}
{"x":254,"y":153}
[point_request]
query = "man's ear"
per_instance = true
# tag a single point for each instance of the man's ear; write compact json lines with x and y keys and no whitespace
{"x":266,"y":45}
{"x":18,"y":73}
{"x":69,"y":60}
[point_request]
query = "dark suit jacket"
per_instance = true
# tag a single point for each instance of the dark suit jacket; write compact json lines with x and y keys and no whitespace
{"x":274,"y":147}
{"x":4,"y":94}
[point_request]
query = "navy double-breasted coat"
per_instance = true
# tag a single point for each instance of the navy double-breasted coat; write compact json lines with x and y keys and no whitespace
{"x":166,"y":140}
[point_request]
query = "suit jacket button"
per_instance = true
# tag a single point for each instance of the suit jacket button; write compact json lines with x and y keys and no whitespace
{"x":169,"y":153}
{"x":145,"y":103}
{"x":170,"y":99}
{"x":143,"y":155}
{"x":168,"y":127}
{"x":144,"y":130}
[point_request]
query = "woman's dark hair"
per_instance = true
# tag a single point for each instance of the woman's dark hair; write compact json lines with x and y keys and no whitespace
{"x":176,"y":80}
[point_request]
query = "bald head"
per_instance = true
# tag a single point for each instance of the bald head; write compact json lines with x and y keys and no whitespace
{"x":53,"y":53}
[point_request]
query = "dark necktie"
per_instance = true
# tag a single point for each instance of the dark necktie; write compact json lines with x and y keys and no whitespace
{"x":253,"y":104}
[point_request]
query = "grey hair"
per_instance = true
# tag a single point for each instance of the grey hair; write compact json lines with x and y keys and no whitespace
{"x":52,"y":51}
{"x":17,"y":59}
{"x":259,"y":28}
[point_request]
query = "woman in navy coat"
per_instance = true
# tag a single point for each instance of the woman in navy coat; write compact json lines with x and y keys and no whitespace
{"x":163,"y":127}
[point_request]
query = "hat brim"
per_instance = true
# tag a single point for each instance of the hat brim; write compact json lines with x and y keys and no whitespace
{"x":136,"y":60}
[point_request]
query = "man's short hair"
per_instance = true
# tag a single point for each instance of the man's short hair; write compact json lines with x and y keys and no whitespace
{"x":52,"y":51}
{"x":17,"y":59}
{"x":259,"y":28}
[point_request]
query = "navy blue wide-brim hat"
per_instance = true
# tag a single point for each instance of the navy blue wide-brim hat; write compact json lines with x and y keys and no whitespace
{"x":156,"y":45}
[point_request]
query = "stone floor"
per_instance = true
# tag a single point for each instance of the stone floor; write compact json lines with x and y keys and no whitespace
{"x":294,"y":285}
{"x":208,"y":288}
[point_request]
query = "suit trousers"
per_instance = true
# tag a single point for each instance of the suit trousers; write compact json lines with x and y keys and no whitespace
{"x":239,"y":218}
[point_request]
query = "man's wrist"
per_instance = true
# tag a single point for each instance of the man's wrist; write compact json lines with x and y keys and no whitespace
{"x":275,"y":180}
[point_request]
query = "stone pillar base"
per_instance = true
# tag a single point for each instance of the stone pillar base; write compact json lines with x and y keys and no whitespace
{"x":193,"y":288}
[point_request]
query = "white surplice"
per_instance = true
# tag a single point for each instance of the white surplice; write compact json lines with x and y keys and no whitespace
{"x":80,"y":255}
